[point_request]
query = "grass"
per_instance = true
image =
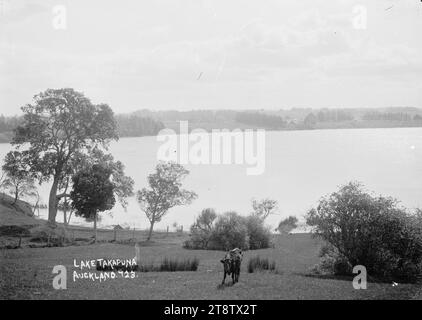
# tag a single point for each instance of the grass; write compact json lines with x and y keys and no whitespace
{"x":170,"y":265}
{"x":27,"y":274}
{"x":258,"y":264}
{"x":188,"y":264}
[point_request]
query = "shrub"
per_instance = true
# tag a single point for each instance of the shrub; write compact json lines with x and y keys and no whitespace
{"x":14,"y":231}
{"x":332,"y":262}
{"x":369,"y":231}
{"x":287,"y":225}
{"x":259,"y":235}
{"x":147,"y":267}
{"x":258,"y":264}
{"x":52,"y":236}
{"x":170,"y":265}
{"x":201,"y":230}
{"x":229,"y":232}
{"x":179,"y":265}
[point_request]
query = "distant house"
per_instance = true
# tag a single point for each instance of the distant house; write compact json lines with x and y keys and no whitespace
{"x":118,"y":227}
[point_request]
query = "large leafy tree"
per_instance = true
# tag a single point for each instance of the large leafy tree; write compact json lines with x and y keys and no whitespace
{"x":369,"y":230}
{"x":92,"y":193}
{"x":165,"y":192}
{"x":122,"y":184}
{"x":59,"y":129}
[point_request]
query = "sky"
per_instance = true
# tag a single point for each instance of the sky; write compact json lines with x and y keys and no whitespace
{"x":213,"y":54}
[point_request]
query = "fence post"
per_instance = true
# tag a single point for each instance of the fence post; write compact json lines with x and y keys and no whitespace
{"x":138,"y":254}
{"x":115,"y":234}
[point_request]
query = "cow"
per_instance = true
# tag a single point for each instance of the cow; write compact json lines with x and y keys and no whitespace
{"x":231,"y":263}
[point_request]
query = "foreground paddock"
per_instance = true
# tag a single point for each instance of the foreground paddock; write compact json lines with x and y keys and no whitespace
{"x":27,"y":274}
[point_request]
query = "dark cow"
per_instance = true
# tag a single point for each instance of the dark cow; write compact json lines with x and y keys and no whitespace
{"x":231,"y":263}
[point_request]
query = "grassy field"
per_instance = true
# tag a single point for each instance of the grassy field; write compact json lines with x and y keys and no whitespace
{"x":27,"y":274}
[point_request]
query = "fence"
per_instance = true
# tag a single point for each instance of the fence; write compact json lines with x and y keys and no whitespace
{"x":135,"y":234}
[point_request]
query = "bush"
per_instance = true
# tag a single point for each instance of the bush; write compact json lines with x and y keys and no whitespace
{"x":259,"y":235}
{"x":170,"y":265}
{"x":369,"y":231}
{"x":201,"y":230}
{"x":179,"y":265}
{"x":287,"y":225}
{"x":14,"y":231}
{"x":229,"y":232}
{"x":332,"y":262}
{"x":57,"y":236}
{"x":258,"y":264}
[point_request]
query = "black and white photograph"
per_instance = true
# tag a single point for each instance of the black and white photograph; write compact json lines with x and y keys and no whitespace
{"x":190,"y":150}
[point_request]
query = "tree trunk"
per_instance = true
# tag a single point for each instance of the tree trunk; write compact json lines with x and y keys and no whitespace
{"x":64,"y":217}
{"x":150,"y":230}
{"x":52,"y":203}
{"x":16,"y":196}
{"x":95,"y":228}
{"x":70,"y":216}
{"x":36,"y":204}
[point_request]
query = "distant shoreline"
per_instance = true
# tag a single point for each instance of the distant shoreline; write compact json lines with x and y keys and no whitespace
{"x":6,"y":137}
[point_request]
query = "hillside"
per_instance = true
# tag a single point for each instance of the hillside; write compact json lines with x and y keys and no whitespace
{"x":17,"y":215}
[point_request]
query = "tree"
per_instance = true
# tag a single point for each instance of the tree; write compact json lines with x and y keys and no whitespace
{"x":57,"y":129}
{"x":165,"y":192}
{"x":202,"y":228}
{"x":310,"y":120}
{"x":230,"y":231}
{"x":92,"y":193}
{"x":122,"y":184}
{"x":264,"y":208}
{"x":369,"y":230}
{"x":65,"y":204}
{"x":287,"y":225}
{"x":17,"y":181}
{"x":259,"y":235}
{"x":417,"y":117}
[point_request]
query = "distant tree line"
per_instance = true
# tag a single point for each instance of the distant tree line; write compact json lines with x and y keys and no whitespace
{"x":133,"y":125}
{"x":338,"y":115}
{"x":128,"y":125}
{"x":334,"y":115}
{"x":7,"y":124}
{"x":390,"y":116}
{"x":147,"y":123}
{"x":260,"y":119}
{"x":194,"y":116}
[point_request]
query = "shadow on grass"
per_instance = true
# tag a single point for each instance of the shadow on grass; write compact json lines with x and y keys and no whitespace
{"x":225,"y":285}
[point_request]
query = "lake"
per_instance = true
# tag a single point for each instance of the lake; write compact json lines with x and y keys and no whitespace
{"x":300,"y":167}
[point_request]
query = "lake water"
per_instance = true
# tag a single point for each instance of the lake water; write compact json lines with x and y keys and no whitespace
{"x":301,"y":166}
